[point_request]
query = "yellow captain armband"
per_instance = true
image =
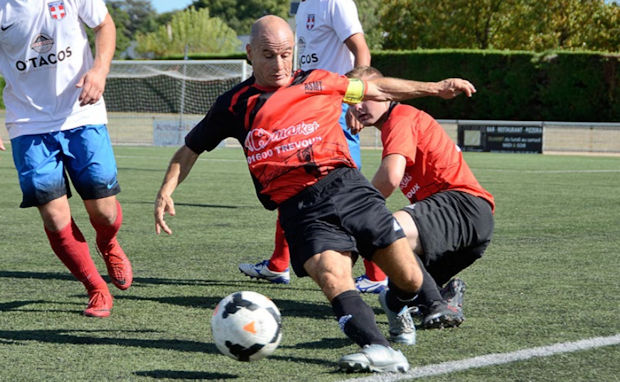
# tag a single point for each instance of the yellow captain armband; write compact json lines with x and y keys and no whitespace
{"x":355,"y":91}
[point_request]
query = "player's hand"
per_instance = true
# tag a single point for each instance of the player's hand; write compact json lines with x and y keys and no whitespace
{"x":353,"y":124}
{"x":451,"y":87}
{"x":2,"y":145}
{"x":92,"y":84}
{"x":163,"y":204}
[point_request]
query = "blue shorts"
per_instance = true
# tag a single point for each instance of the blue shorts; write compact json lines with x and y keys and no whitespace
{"x":43,"y":162}
{"x":352,"y":140}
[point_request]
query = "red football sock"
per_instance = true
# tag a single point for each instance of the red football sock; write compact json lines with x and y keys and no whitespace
{"x":106,"y":233}
{"x":373,"y":271}
{"x":71,"y":248}
{"x":281,"y":255}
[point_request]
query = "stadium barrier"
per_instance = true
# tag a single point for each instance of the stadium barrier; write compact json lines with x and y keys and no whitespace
{"x":558,"y":137}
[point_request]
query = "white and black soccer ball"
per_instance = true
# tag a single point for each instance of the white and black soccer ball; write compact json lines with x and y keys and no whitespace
{"x":246,"y":326}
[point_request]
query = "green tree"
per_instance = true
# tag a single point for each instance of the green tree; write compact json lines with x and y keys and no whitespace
{"x":130,"y":17}
{"x":573,"y":24}
{"x":192,"y":28}
{"x":141,"y":16}
{"x":501,"y":24}
{"x":123,"y":37}
{"x":474,"y":24}
{"x":368,"y":11}
{"x":241,"y":14}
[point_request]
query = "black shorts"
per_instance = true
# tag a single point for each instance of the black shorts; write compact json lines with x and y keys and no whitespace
{"x":341,"y":212}
{"x":455,"y":229}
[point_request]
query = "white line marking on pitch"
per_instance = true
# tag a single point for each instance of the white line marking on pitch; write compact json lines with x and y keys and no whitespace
{"x":548,"y":171}
{"x":493,"y":359}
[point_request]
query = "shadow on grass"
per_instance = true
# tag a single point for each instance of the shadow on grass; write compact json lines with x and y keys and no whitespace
{"x":58,"y":336}
{"x":81,"y":337}
{"x":293,"y":308}
{"x":138,"y":281}
{"x":184,"y":375}
{"x":37,"y":275}
{"x":15,"y":305}
{"x":319,"y":310}
{"x":323,"y":343}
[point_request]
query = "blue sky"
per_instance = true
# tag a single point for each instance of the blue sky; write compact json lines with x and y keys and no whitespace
{"x":162,"y":6}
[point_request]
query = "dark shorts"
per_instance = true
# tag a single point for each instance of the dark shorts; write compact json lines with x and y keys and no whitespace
{"x":455,"y":229}
{"x":43,"y":162}
{"x":342,"y":212}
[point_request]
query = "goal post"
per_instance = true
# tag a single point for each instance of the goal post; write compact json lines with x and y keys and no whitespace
{"x":157,"y":102}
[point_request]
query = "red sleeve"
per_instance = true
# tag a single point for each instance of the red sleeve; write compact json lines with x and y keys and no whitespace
{"x":398,"y":137}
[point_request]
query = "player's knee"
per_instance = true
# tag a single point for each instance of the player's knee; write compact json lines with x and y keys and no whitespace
{"x":331,"y":271}
{"x":102,"y":211}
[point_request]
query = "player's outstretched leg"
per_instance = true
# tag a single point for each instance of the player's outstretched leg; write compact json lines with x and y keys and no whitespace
{"x":357,"y":321}
{"x":375,"y":358}
{"x":331,"y":270}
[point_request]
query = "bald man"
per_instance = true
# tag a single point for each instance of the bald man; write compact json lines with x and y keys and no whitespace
{"x":297,"y":154}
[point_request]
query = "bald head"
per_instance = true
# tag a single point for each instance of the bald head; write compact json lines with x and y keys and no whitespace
{"x":271,"y":51}
{"x":270,"y":25}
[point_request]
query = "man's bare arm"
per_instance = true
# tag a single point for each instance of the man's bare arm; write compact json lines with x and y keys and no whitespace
{"x":357,"y":45}
{"x":93,"y":82}
{"x":396,"y":89}
{"x":178,"y":169}
{"x":389,"y":174}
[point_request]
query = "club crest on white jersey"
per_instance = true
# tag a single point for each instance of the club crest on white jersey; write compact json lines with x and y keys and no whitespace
{"x":57,"y":9}
{"x":310,"y":21}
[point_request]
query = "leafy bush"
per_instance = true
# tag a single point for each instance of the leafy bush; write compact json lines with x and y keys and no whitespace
{"x":514,"y":85}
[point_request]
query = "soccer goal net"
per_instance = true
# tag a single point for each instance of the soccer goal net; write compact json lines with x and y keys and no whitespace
{"x":157,"y":102}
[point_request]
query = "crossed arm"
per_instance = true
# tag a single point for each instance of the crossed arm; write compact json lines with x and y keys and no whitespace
{"x":396,"y":89}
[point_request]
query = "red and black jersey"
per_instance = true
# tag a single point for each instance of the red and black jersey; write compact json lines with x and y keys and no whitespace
{"x":434,"y":162}
{"x":290,"y":135}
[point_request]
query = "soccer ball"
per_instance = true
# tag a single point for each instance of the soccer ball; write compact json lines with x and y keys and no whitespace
{"x":246,"y":326}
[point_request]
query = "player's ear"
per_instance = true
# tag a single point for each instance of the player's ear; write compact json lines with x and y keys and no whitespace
{"x":248,"y":52}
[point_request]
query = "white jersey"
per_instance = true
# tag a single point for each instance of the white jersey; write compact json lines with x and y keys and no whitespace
{"x":322,"y":26}
{"x":44,"y":52}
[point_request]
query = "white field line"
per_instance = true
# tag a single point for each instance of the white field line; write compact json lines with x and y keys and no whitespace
{"x":549,"y":171}
{"x":493,"y":359}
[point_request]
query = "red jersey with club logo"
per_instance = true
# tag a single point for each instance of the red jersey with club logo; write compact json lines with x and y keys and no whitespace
{"x":434,"y":162}
{"x":290,"y":136}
